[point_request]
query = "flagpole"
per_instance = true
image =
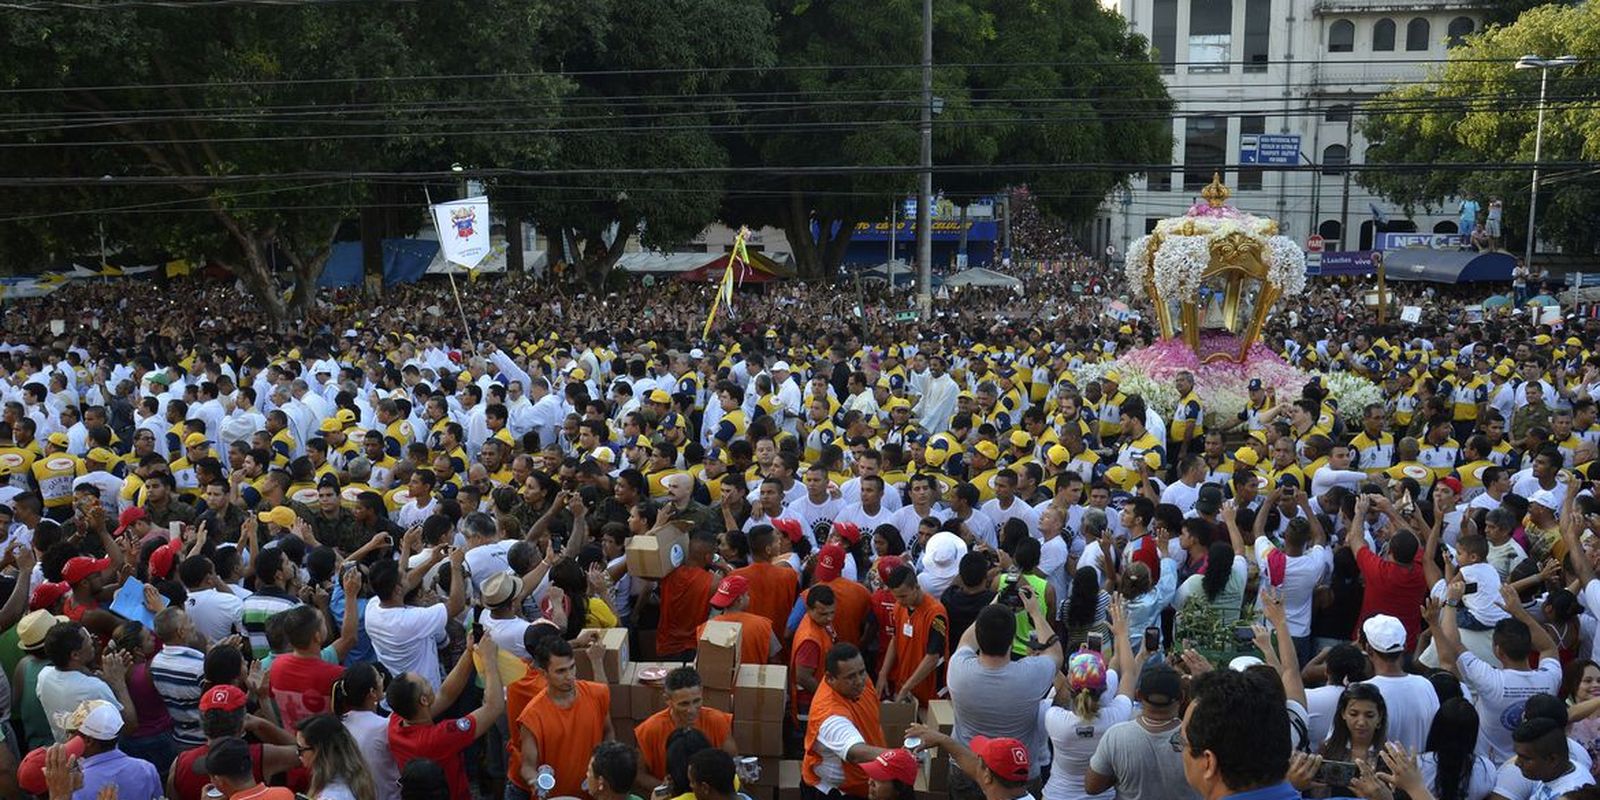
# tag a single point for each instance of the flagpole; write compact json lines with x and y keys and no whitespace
{"x":449,"y":273}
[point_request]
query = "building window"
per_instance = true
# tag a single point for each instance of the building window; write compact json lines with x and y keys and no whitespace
{"x":1337,"y":113}
{"x":1257,"y":22}
{"x":1342,"y":36}
{"x":1383,"y":36}
{"x":1417,"y":34}
{"x":1460,"y":28}
{"x":1205,"y":147}
{"x":1150,"y":224}
{"x":1210,"y":35}
{"x":1164,"y":33}
{"x":1329,"y":230}
{"x":1250,"y":177}
{"x":1334,"y":159}
{"x":1445,"y":227}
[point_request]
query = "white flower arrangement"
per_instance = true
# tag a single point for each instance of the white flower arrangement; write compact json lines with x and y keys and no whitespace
{"x":1352,"y":392}
{"x":1136,"y":265}
{"x":1287,"y":266}
{"x":1179,"y":264}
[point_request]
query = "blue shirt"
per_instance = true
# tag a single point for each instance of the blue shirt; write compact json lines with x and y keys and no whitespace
{"x":135,"y":778}
{"x":1279,"y":791}
{"x":362,"y":649}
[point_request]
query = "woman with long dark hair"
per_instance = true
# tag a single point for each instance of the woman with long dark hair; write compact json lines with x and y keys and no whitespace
{"x":1360,"y":728}
{"x":1085,"y":609}
{"x":1580,"y":688}
{"x":1209,"y":602}
{"x":1448,"y":763}
{"x":151,"y":739}
{"x":355,"y":699}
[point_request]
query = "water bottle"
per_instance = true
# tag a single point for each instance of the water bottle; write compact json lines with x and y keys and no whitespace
{"x":545,"y":782}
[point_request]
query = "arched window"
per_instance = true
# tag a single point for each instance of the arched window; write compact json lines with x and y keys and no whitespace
{"x":1337,"y":113}
{"x":1329,"y":230}
{"x":1445,"y":227}
{"x":1334,"y":159}
{"x":1417,"y":34}
{"x":1342,"y":36}
{"x":1383,"y":36}
{"x":1460,"y":28}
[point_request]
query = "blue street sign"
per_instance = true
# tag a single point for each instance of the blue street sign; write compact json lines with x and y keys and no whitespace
{"x":1269,"y":149}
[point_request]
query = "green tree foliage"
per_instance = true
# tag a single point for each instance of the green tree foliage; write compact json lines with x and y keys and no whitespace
{"x":1023,"y":82}
{"x":1478,"y":109}
{"x":181,"y":109}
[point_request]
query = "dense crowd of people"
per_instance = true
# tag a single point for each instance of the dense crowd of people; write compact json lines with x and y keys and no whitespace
{"x":369,"y":557}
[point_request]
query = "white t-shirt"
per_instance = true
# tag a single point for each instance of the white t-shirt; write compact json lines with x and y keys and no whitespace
{"x":371,"y":733}
{"x":1302,"y":575}
{"x":1321,"y":704}
{"x":507,"y":633}
{"x":1074,"y":740}
{"x":1499,"y":695}
{"x":810,"y":513}
{"x":216,"y":615}
{"x":487,"y":560}
{"x":1018,"y":510}
{"x":1479,"y":783}
{"x":835,"y":736}
{"x":1181,"y":495}
{"x":407,"y":638}
{"x":60,"y":693}
{"x":1510,"y":783}
{"x":1411,"y":703}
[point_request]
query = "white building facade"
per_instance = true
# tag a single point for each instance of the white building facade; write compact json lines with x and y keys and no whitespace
{"x":1241,"y":68}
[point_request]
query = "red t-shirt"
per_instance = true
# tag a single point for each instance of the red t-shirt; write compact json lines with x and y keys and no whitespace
{"x":189,"y":784}
{"x":302,"y":687}
{"x":441,"y":742}
{"x":1394,"y":590}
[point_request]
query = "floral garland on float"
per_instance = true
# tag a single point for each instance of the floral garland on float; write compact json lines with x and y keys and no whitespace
{"x":1211,"y":277}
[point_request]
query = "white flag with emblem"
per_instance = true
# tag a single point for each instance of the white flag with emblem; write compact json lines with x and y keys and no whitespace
{"x":463,"y":230}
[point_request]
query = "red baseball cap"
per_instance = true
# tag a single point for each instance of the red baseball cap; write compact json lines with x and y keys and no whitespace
{"x":45,"y":595}
{"x":162,"y":559}
{"x":1454,"y":484}
{"x":790,"y":528}
{"x":848,"y":531}
{"x":886,"y":565}
{"x":830,"y":563}
{"x":1005,"y":757}
{"x":226,"y":697}
{"x":894,"y":765}
{"x":129,"y":516}
{"x":80,"y":567}
{"x":732,"y":588}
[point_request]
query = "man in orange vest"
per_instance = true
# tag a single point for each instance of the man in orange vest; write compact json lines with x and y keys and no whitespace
{"x":685,"y":709}
{"x":844,"y":730}
{"x":773,"y":587}
{"x":559,"y":728}
{"x":852,"y":610}
{"x":919,"y":644}
{"x":758,"y":644}
{"x":812,"y":641}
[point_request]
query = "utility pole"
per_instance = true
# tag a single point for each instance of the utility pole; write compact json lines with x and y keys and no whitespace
{"x":1544,"y":65}
{"x":1344,"y":202}
{"x":925,"y":190}
{"x":1005,"y":235}
{"x":894,"y":220}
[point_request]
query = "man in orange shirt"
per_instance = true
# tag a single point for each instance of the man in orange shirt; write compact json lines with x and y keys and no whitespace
{"x":559,"y":728}
{"x":919,"y":644}
{"x":685,"y":709}
{"x":812,"y":641}
{"x":852,"y":603}
{"x":773,"y":587}
{"x":522,"y":691}
{"x":844,"y":730}
{"x":758,"y":644}
{"x":684,"y":594}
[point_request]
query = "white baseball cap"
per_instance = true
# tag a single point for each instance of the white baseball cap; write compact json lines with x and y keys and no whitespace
{"x":103,"y":723}
{"x":1546,"y":498}
{"x":1384,"y":633}
{"x":696,"y":352}
{"x":780,"y":366}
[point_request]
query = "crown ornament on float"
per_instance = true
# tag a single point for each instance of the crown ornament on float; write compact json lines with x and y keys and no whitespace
{"x":1215,"y":269}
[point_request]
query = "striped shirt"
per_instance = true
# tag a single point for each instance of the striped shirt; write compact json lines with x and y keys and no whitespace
{"x":177,"y":673}
{"x":257,"y":608}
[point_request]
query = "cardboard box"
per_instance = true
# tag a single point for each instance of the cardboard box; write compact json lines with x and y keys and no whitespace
{"x":616,"y":655}
{"x":645,"y":699}
{"x":894,"y":717}
{"x":622,"y":694}
{"x":721,"y":700}
{"x":941,"y":714}
{"x":758,"y":738}
{"x":760,"y":692}
{"x":654,"y":554}
{"x":717,"y":655}
{"x":788,"y":780}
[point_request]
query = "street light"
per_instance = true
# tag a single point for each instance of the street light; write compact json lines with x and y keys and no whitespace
{"x":1544,"y":65}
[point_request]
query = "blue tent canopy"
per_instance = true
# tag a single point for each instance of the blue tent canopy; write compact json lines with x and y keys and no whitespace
{"x":404,"y":261}
{"x":1447,"y":266}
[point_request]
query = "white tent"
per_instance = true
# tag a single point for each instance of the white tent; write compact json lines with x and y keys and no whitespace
{"x":978,"y":276}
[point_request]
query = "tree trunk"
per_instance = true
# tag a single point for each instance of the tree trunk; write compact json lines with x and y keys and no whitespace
{"x":797,"y":228}
{"x":599,"y":258}
{"x":514,"y":261}
{"x":833,"y":254}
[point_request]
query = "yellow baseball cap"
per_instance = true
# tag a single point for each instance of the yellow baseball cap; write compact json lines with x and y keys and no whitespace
{"x":58,"y":439}
{"x":578,"y":374}
{"x":1020,"y":438}
{"x":345,"y":416}
{"x":194,"y":439}
{"x":282,"y":516}
{"x":1247,"y":455}
{"x":100,"y":455}
{"x":1112,"y":375}
{"x":330,"y":425}
{"x":987,"y":450}
{"x":1122,"y":477}
{"x":1152,"y":460}
{"x":659,"y":396}
{"x":1058,"y":455}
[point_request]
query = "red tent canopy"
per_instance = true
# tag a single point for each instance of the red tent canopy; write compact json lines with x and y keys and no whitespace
{"x":760,"y":270}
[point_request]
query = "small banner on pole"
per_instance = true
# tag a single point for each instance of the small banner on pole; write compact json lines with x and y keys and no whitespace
{"x":463,"y":230}
{"x":724,"y":295}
